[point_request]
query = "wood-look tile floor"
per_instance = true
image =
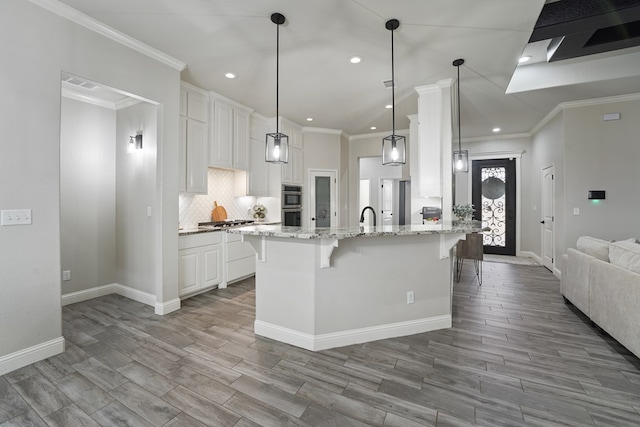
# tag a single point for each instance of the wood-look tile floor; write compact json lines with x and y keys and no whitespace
{"x":516,"y":355}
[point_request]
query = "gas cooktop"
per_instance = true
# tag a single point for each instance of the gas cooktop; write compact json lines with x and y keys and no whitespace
{"x":225,"y":224}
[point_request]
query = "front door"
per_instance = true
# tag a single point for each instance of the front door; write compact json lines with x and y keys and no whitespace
{"x":547,"y":217}
{"x":494,"y":199}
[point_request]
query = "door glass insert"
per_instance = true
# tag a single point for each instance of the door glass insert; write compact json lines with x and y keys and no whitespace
{"x":494,"y":206}
{"x":323,"y":201}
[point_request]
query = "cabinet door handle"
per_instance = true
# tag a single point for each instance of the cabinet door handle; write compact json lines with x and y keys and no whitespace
{"x":313,"y":219}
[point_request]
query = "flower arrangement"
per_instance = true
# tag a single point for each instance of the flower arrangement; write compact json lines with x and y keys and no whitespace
{"x":463,"y":212}
{"x":259,"y":212}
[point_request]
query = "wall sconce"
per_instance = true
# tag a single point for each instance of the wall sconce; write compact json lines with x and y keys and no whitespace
{"x":135,"y":142}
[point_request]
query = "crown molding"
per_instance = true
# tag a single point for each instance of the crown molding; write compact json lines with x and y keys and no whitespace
{"x":381,"y":134}
{"x":92,"y":24}
{"x":324,"y":130}
{"x":497,"y":137}
{"x":583,"y":103}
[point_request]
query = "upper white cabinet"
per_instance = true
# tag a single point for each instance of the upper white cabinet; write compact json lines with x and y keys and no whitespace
{"x":292,"y":171}
{"x":193,"y":139}
{"x":229,"y":142}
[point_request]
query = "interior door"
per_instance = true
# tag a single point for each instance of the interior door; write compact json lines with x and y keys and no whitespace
{"x":323,"y":198}
{"x":386,"y":201}
{"x":494,"y":199}
{"x":548,"y":217}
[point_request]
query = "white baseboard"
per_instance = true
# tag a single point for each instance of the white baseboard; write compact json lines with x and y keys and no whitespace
{"x":30,"y":355}
{"x":531,"y":255}
{"x":125,"y":291}
{"x":163,"y":308}
{"x":557,"y":272}
{"x":354,"y":336}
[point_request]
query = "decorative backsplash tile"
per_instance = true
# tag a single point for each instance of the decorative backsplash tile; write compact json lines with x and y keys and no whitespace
{"x":197,"y":208}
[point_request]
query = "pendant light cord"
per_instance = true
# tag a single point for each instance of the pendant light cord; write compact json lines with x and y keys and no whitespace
{"x":459,"y":133}
{"x":393,"y":91}
{"x":277,"y":75}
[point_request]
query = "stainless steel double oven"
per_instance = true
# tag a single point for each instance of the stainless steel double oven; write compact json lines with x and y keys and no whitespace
{"x":292,"y":205}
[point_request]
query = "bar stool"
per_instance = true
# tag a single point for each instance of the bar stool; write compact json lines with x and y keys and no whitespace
{"x":471,"y":248}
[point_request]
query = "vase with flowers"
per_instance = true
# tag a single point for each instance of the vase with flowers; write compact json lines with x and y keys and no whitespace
{"x":259,"y":212}
{"x":463,"y":212}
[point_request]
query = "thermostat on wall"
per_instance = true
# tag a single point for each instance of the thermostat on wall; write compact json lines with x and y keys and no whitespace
{"x":596,"y":195}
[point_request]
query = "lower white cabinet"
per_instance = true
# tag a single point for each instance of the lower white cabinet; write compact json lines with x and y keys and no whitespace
{"x":213,"y":259}
{"x":200,"y":266}
{"x":240,"y":259}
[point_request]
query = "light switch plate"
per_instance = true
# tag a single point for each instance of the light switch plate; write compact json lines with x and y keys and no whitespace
{"x":576,"y":211}
{"x":15,"y":217}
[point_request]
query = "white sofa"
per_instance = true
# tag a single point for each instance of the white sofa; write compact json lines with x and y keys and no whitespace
{"x":602,"y":279}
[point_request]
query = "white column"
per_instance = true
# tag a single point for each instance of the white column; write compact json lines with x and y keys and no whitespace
{"x":433,"y":168}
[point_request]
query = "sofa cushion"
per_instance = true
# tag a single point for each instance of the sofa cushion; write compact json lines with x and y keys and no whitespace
{"x":625,"y":254}
{"x":595,"y":247}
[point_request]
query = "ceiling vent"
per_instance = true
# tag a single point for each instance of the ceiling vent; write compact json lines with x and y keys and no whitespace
{"x":389,"y":83}
{"x":79,"y":82}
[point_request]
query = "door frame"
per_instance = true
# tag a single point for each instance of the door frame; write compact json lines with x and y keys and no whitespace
{"x":517,"y":156}
{"x":553,"y":214}
{"x":333,"y":173}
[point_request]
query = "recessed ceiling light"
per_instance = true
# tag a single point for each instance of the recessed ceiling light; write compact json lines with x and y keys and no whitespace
{"x":524,"y":58}
{"x":388,"y":106}
{"x":373,"y":128}
{"x":309,"y":119}
{"x":496,"y":129}
{"x":355,"y":59}
{"x":230,"y":75}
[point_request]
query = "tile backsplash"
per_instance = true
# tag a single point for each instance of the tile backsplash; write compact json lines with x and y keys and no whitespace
{"x":195,"y":208}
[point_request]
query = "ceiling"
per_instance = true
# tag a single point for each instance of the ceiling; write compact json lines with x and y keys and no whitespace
{"x":317,"y":80}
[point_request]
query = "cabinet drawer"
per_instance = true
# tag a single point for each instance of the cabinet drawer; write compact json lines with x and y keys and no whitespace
{"x":202,"y":239}
{"x":234,"y":237}
{"x":239,"y":250}
{"x":240,"y":268}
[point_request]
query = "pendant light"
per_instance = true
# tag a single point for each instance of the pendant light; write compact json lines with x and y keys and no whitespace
{"x":393,"y":146}
{"x":277,"y":147}
{"x":460,"y":157}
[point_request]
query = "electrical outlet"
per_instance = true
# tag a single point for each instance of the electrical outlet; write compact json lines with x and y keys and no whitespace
{"x":66,"y":275}
{"x":410,"y":297}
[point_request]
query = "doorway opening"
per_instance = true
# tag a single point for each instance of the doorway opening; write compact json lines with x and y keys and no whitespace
{"x":109,"y":213}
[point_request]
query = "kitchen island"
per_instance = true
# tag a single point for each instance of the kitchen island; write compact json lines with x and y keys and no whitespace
{"x":320,"y":288}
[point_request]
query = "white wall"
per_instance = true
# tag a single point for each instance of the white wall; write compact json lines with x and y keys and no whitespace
{"x":499,"y":148}
{"x":548,"y":150}
{"x":42,"y":46}
{"x":87,"y":195}
{"x":322,"y":150}
{"x":602,"y":155}
{"x":135,"y":184}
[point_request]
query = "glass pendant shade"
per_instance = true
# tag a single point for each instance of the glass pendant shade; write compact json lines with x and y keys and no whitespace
{"x":394,"y":150}
{"x":461,"y":161}
{"x":277,"y":150}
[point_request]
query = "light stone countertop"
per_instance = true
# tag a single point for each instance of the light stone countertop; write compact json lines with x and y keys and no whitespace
{"x":357,"y":231}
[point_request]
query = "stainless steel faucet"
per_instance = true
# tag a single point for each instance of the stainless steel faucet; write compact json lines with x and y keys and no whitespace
{"x":372,"y":211}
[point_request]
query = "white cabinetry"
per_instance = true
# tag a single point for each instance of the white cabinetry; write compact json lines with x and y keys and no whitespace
{"x":200,"y":265}
{"x":193,"y":139}
{"x":292,"y":171}
{"x":240,"y":258}
{"x":229,"y":142}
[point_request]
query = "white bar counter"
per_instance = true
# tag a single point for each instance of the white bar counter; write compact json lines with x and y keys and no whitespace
{"x":319,"y":288}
